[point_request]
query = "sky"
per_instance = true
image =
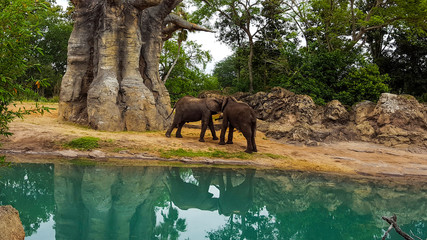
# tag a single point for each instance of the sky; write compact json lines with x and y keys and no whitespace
{"x":218,"y":50}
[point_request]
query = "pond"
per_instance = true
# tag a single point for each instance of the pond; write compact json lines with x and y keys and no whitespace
{"x":69,"y":201}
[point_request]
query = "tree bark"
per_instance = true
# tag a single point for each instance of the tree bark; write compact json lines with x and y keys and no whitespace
{"x":112,"y":80}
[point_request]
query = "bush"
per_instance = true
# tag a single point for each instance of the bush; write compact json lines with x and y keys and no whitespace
{"x":364,"y":83}
{"x":84,"y":143}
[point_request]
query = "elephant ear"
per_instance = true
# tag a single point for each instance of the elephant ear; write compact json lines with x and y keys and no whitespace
{"x":213,"y":104}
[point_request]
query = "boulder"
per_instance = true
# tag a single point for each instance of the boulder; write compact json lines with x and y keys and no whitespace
{"x":402,"y":111}
{"x":363,"y":111}
{"x":336,"y":112}
{"x":10,"y":224}
{"x":396,"y":120}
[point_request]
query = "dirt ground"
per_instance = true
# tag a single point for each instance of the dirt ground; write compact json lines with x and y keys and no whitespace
{"x":41,"y":136}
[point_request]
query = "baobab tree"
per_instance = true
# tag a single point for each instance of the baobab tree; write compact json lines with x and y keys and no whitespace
{"x":112,"y":80}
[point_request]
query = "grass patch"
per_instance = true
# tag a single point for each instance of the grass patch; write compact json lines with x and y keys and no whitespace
{"x":211,"y":154}
{"x":83,"y":143}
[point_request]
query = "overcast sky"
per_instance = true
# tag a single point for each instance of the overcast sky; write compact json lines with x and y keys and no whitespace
{"x":208,"y":41}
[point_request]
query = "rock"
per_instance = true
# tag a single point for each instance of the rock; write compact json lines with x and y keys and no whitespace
{"x":281,"y":105}
{"x":362,"y":111}
{"x":336,"y":112}
{"x":10,"y":224}
{"x":69,"y":153}
{"x":396,"y":120}
{"x":365,"y":129}
{"x":402,"y":111}
{"x":96,"y":154}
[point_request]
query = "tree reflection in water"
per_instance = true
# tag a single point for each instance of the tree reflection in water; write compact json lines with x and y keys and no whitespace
{"x":28,"y":188}
{"x":106,"y":202}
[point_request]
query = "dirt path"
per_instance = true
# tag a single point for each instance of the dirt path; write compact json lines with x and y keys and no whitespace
{"x":45,"y":135}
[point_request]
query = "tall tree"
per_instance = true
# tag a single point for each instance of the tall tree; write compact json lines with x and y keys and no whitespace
{"x":406,"y":62}
{"x":19,"y":22}
{"x":112,"y":80}
{"x":245,"y":15}
{"x":49,"y":66}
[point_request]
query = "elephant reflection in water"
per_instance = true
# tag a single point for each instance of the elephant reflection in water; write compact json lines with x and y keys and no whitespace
{"x":186,"y":195}
{"x":236,"y":199}
{"x":233,"y":199}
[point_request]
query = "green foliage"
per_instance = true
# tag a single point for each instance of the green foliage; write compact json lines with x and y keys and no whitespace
{"x":19,"y":24}
{"x":405,"y":62}
{"x":364,"y":83}
{"x":226,"y":72}
{"x":328,"y":49}
{"x":48,"y":66}
{"x":83,"y":143}
{"x":3,"y":162}
{"x":187,"y":77}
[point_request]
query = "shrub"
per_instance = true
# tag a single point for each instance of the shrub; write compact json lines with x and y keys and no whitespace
{"x":84,"y":143}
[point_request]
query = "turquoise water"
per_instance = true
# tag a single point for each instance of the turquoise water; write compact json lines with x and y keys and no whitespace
{"x":59,"y":201}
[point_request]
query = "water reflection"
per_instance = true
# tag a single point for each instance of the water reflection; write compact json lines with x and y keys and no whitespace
{"x":105,"y":202}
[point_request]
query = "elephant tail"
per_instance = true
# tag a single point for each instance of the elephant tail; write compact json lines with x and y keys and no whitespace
{"x":171,"y":112}
{"x":253,"y":123}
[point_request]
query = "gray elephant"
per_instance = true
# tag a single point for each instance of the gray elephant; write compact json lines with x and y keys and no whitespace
{"x":241,"y":116}
{"x":191,"y":109}
{"x":187,"y":195}
{"x":236,"y":199}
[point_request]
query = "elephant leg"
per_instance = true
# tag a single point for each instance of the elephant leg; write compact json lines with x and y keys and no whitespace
{"x":223,"y":130}
{"x":175,"y":124}
{"x":230,"y":134}
{"x":203,"y":131}
{"x":178,"y":132}
{"x":170,"y":129}
{"x":212,"y":128}
{"x":248,"y":135}
{"x":253,"y":138}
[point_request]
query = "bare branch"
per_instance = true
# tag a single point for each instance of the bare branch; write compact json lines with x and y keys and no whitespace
{"x":392,"y":222}
{"x":173,"y":23}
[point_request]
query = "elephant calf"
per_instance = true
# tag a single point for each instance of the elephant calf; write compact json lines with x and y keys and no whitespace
{"x":241,"y":116}
{"x":191,"y":109}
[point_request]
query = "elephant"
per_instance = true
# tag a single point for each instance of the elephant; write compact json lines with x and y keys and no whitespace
{"x":187,"y":195}
{"x":191,"y":109}
{"x":236,"y":199}
{"x":241,"y":116}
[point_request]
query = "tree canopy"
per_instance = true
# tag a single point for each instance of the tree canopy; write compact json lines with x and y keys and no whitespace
{"x":346,"y":50}
{"x":20,"y":25}
{"x":335,"y":49}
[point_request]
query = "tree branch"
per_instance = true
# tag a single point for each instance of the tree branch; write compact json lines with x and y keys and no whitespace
{"x":173,"y":23}
{"x":392,"y":222}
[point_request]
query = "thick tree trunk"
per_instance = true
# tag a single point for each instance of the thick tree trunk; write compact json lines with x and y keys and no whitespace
{"x":112,"y":80}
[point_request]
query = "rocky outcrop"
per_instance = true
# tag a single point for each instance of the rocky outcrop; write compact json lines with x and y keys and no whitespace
{"x":395,"y":120}
{"x":10,"y":224}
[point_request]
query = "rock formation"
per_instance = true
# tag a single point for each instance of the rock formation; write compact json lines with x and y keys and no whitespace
{"x":396,"y":120}
{"x":10,"y":225}
{"x":112,"y":80}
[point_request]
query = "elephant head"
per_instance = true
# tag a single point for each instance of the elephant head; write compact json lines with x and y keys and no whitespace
{"x":214,"y":104}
